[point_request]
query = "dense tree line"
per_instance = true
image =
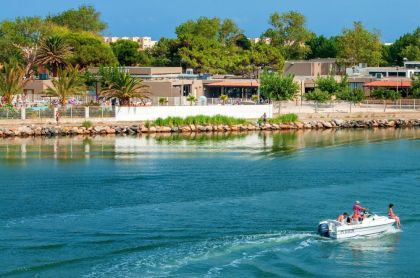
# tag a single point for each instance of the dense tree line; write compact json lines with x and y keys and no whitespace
{"x":208,"y":45}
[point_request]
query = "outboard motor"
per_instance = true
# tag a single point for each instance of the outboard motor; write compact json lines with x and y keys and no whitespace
{"x":324,"y":230}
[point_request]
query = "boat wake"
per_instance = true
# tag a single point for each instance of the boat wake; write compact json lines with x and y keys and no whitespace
{"x":217,"y":254}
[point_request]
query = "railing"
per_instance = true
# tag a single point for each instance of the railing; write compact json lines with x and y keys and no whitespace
{"x":403,"y":105}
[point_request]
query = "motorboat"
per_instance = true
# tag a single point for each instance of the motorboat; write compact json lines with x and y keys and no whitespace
{"x":372,"y":224}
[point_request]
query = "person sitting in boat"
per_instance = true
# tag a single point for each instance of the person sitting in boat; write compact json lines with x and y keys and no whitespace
{"x":344,"y":218}
{"x":357,"y":211}
{"x":392,"y":215}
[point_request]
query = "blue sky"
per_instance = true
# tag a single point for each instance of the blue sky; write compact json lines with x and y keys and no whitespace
{"x":159,"y":18}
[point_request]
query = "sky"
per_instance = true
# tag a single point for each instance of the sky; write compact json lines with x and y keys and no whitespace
{"x":158,"y":18}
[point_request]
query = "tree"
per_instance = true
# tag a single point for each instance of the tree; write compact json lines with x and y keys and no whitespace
{"x":415,"y":88}
{"x":224,"y":98}
{"x":125,"y":87}
{"x":278,"y":87}
{"x":126,"y":52}
{"x":85,"y":18}
{"x":53,"y":52}
{"x":407,"y":46}
{"x":289,"y":33}
{"x":20,"y":39}
{"x":89,"y":50}
{"x":322,"y":47}
{"x":359,"y":45}
{"x":68,"y":83}
{"x":353,"y":96}
{"x":327,"y":84}
{"x":385,"y":94}
{"x":11,"y":82}
{"x":191,"y":99}
{"x":165,"y":53}
{"x":318,"y":97}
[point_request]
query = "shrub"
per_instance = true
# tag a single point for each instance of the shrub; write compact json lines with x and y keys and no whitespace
{"x":199,"y":120}
{"x":286,"y":118}
{"x":87,"y":124}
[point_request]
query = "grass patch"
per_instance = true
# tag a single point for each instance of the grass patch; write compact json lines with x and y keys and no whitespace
{"x":87,"y":124}
{"x":285,"y":118}
{"x":199,"y":120}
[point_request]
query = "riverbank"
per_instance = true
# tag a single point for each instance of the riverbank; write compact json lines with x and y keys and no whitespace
{"x":140,"y":128}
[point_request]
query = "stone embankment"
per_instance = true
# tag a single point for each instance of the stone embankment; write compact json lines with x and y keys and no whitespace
{"x":35,"y":130}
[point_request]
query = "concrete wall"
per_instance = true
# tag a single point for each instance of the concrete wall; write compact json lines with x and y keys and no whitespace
{"x":154,"y":112}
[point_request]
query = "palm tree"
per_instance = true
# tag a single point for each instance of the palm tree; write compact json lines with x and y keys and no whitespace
{"x":11,"y":81}
{"x":68,"y":83}
{"x":224,"y":98}
{"x":191,"y":99}
{"x":124,"y":87}
{"x":53,"y":51}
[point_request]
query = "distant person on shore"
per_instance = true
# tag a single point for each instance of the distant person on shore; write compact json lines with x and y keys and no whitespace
{"x":357,"y":211}
{"x":264,"y":117}
{"x":57,"y":117}
{"x":392,"y":215}
{"x":344,"y":218}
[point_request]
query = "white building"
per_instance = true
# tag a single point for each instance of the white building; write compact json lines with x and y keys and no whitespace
{"x":144,"y":42}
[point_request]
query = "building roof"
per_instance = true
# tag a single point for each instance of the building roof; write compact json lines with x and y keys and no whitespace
{"x":232,"y":83}
{"x":389,"y":83}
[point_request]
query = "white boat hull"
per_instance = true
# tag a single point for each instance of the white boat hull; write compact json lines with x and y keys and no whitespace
{"x":373,"y":225}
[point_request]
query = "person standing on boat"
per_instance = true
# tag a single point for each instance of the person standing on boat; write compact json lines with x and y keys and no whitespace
{"x":392,"y":215}
{"x":357,"y":211}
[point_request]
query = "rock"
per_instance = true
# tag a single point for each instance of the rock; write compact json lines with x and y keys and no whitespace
{"x":285,"y":126}
{"x":307,"y":126}
{"x":152,"y":129}
{"x":193,"y":128}
{"x":338,"y":122}
{"x":234,"y":128}
{"x":299,"y":125}
{"x":327,"y":124}
{"x":166,"y":129}
{"x":390,"y":124}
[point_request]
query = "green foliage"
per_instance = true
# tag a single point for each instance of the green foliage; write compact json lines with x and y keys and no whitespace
{"x":285,"y":118}
{"x":327,"y":84}
{"x":385,"y":94}
{"x":53,"y":52}
{"x":358,"y":45}
{"x":11,"y":81}
{"x":318,"y":97}
{"x":278,"y":87}
{"x":87,"y":124}
{"x":407,"y":46}
{"x":191,"y":99}
{"x":289,"y":33}
{"x":120,"y":84}
{"x":69,"y":83}
{"x":199,"y":120}
{"x":127,"y":52}
{"x":351,"y":95}
{"x":85,"y":18}
{"x":224,"y":98}
{"x":415,"y":88}
{"x":322,"y":47}
{"x":89,"y":50}
{"x":163,"y":100}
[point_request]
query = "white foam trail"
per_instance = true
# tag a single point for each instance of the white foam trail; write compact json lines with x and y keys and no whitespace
{"x":166,"y":261}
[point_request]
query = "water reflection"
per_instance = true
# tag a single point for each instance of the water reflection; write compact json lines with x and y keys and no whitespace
{"x":64,"y":149}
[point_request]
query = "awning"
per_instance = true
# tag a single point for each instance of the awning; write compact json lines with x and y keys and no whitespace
{"x":389,"y":84}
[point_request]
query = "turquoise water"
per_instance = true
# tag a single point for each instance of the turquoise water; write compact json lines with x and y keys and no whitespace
{"x":206,"y":206}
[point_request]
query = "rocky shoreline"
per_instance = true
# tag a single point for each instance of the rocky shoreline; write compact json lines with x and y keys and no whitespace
{"x":36,"y":130}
